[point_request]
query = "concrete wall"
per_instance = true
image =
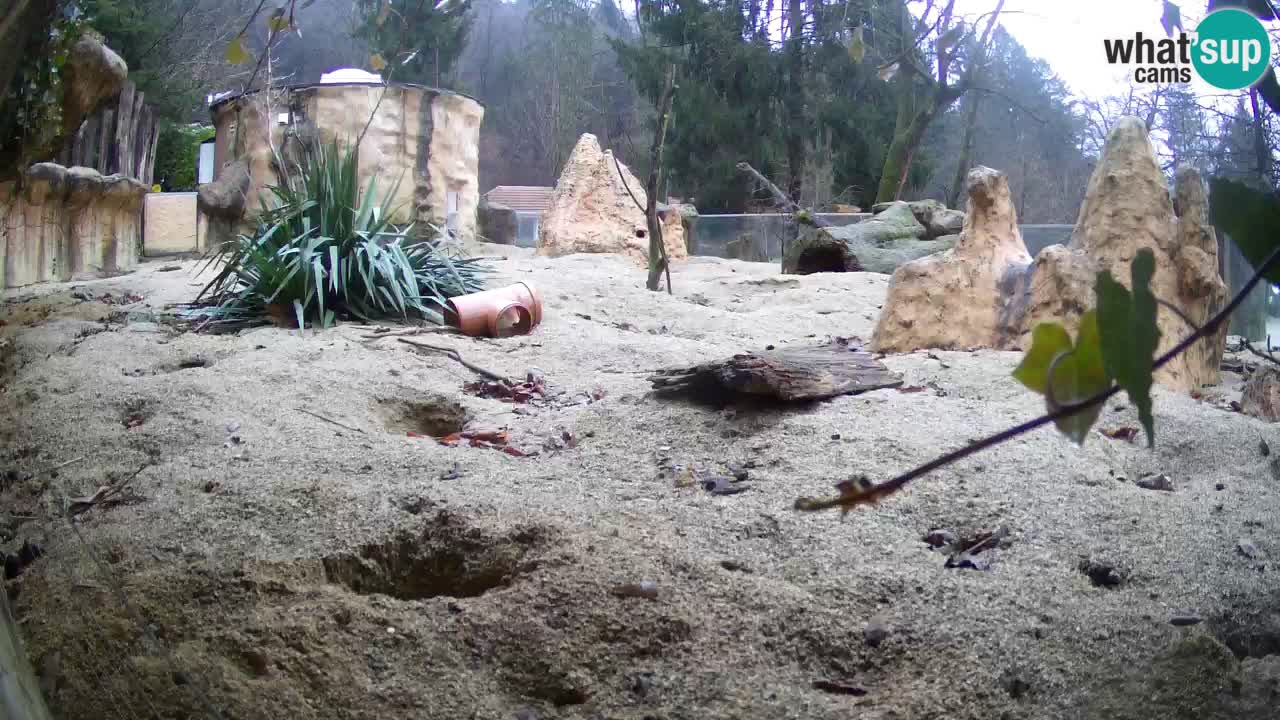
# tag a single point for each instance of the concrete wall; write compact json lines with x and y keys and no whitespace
{"x":425,"y":140}
{"x":171,"y":224}
{"x":68,"y":223}
{"x":20,"y":697}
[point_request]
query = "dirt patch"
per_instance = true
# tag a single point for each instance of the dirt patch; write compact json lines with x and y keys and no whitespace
{"x":431,"y":415}
{"x":447,"y":558}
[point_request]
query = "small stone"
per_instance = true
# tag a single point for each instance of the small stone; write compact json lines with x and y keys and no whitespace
{"x":735,"y":566}
{"x":1249,"y":549}
{"x":940,"y":538}
{"x":211,"y":486}
{"x":1264,"y":448}
{"x":1185,"y":620}
{"x":835,"y":436}
{"x":876,"y":631}
{"x":1102,"y":573}
{"x":739,"y":471}
{"x":646,"y":589}
{"x":1161,"y":482}
{"x":1220,"y":486}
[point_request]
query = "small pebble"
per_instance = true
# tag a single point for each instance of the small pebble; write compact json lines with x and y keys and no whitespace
{"x":1220,"y":486}
{"x":1249,"y":549}
{"x":1161,"y":482}
{"x":835,"y":436}
{"x":735,"y":566}
{"x":646,"y":589}
{"x":876,"y":631}
{"x":1264,"y":448}
{"x":940,"y":538}
{"x":1185,"y":620}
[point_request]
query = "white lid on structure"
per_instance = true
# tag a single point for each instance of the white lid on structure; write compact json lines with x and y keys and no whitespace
{"x":349,"y":75}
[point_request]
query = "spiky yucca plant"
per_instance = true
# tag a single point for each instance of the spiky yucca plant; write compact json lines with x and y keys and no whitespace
{"x":322,"y":250}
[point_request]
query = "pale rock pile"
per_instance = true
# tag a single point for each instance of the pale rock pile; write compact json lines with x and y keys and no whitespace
{"x":593,"y":210}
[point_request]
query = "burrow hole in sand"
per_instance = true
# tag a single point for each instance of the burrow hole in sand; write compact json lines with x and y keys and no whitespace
{"x":432,"y":415}
{"x":448,"y":558}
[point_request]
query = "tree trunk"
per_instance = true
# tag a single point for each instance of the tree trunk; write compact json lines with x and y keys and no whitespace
{"x":897,"y":162}
{"x":1261,"y":148}
{"x":966,"y":152}
{"x":795,"y":99}
{"x":657,"y":246}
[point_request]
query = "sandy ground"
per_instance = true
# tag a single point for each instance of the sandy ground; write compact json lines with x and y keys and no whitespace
{"x":287,"y":567}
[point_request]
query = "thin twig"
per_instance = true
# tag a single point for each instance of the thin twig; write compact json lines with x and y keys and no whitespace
{"x":881,"y":490}
{"x":104,"y":494}
{"x":331,"y":421}
{"x":453,"y":354}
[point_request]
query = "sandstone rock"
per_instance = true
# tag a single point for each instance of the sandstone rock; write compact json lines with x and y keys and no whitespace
{"x":1261,"y":395}
{"x":498,"y":223}
{"x":981,"y":294}
{"x":93,"y":73}
{"x":69,"y":223}
{"x":876,"y":245}
{"x":1127,"y":208}
{"x":963,"y":297}
{"x":223,"y":202}
{"x":593,"y":212}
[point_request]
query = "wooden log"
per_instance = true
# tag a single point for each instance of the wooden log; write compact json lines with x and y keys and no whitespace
{"x":790,"y":375}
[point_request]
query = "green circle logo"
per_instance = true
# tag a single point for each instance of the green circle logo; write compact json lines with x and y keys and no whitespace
{"x":1232,"y":49}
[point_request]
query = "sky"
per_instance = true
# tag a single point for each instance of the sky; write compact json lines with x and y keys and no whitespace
{"x":1068,"y":34}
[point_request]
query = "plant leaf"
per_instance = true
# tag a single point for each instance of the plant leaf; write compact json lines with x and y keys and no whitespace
{"x":377,"y":62}
{"x":384,"y":12}
{"x":1249,"y":217}
{"x":887,"y":72}
{"x":1066,"y":374}
{"x":1047,"y":341}
{"x":857,"y":45}
{"x":277,"y":21}
{"x":236,"y":54}
{"x":1127,"y":327}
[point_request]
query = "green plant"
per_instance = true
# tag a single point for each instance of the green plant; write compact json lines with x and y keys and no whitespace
{"x":177,"y":150}
{"x":322,"y":250}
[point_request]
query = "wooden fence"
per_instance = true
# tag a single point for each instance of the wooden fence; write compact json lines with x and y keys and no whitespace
{"x":119,"y":138}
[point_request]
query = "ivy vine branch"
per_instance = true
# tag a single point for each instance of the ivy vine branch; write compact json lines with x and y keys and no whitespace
{"x":860,"y":491}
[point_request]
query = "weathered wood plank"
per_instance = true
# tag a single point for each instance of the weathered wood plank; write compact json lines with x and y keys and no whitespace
{"x":791,"y":375}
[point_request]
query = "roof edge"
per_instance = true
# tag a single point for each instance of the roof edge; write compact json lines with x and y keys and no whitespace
{"x":305,"y":86}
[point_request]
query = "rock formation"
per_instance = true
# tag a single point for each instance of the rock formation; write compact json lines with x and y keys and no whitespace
{"x":878,"y":245}
{"x":937,"y":220}
{"x":68,"y":223}
{"x":93,"y":74}
{"x":497,"y":223}
{"x":597,"y":210}
{"x":963,"y":297}
{"x":984,"y":294}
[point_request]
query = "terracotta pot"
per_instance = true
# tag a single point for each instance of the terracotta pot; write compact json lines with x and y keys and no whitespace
{"x":501,"y":312}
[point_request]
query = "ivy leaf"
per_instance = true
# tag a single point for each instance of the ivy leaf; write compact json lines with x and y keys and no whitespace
{"x":857,"y":46}
{"x":377,"y":62}
{"x":277,"y":21}
{"x":1066,"y":374}
{"x":236,"y":54}
{"x":1250,"y":217}
{"x":1127,"y":321}
{"x":1047,"y":341}
{"x":1171,"y":18}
